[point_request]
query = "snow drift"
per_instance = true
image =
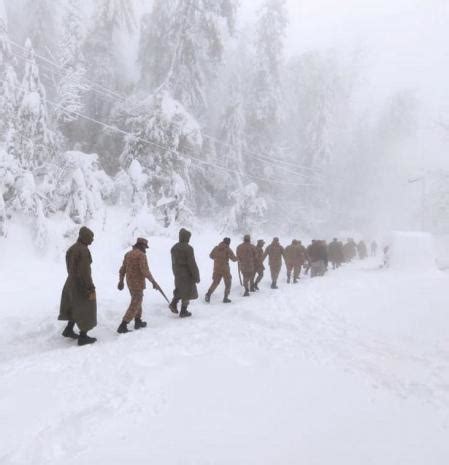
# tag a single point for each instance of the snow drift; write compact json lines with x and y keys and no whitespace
{"x":412,"y":251}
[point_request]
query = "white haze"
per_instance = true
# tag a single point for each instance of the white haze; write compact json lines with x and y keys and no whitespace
{"x":387,"y":48}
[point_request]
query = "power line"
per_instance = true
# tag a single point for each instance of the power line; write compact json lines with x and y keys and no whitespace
{"x":181,"y":155}
{"x":116,"y":96}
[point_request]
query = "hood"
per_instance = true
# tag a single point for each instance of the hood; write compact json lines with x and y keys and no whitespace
{"x":184,"y":235}
{"x":86,"y":236}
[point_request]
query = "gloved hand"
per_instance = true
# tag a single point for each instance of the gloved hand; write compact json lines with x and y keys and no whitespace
{"x":92,"y":296}
{"x":120,"y":286}
{"x":155,"y":285}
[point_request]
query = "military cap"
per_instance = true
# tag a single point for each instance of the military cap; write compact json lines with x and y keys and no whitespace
{"x":142,"y":241}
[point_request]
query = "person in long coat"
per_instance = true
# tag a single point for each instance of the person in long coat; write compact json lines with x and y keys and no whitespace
{"x":186,"y":273}
{"x":274,"y":252}
{"x":78,"y":300}
{"x":221,"y":254}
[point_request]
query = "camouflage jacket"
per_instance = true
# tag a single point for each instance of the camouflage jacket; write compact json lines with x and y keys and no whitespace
{"x":135,"y":268}
{"x":221,"y":254}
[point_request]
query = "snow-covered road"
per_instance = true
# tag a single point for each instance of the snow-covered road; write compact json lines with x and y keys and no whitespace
{"x":351,"y":369}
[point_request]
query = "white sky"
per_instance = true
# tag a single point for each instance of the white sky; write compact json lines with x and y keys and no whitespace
{"x":405,"y":43}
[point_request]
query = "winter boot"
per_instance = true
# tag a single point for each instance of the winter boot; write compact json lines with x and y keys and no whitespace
{"x":253,"y":288}
{"x":288,"y":279}
{"x":295,"y":281}
{"x":173,"y":306}
{"x":138,"y":323}
{"x":123,"y":328}
{"x":246,"y":294}
{"x":207,"y":298}
{"x":184,"y":312}
{"x":68,"y":331}
{"x":274,"y":285}
{"x":84,"y":339}
{"x":226,"y":300}
{"x":256,"y":287}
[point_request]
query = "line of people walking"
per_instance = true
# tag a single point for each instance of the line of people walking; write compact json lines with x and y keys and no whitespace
{"x":78,"y":301}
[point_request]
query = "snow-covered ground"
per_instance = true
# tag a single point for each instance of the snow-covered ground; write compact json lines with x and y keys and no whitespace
{"x":351,"y":369}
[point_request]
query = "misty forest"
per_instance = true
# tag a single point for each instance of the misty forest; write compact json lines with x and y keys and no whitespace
{"x":183,"y":111}
{"x":258,"y":192}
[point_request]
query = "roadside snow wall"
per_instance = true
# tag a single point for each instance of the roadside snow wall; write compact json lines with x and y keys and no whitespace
{"x":411,"y":251}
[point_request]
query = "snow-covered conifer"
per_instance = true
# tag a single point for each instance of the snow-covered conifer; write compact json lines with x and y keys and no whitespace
{"x":82,"y":187}
{"x":41,"y":24}
{"x":34,"y":140}
{"x":265,"y":106}
{"x":164,"y":134}
{"x":181,"y":45}
{"x":247,"y":213}
{"x":71,"y":86}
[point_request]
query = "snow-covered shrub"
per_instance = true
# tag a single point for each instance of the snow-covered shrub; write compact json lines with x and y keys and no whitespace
{"x":82,"y":187}
{"x":248,"y":211}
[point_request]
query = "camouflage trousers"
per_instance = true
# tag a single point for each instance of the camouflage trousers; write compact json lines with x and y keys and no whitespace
{"x":135,"y":306}
{"x":296,"y":271}
{"x":216,"y":280}
{"x":275,"y":270}
{"x":258,"y":275}
{"x":248,"y":280}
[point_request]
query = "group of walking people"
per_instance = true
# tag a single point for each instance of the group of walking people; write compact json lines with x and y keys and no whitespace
{"x":78,"y":301}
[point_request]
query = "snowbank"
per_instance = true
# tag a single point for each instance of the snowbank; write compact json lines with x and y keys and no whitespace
{"x":412,"y":251}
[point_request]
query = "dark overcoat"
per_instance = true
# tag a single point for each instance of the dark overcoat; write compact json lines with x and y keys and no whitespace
{"x":78,"y":302}
{"x":185,"y":268}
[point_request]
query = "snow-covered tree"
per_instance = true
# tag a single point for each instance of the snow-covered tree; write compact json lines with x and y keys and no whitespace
{"x":9,"y":169}
{"x":41,"y":24}
{"x":247,"y":213}
{"x":72,"y":86}
{"x":9,"y":84}
{"x":265,"y":104}
{"x":232,"y":135}
{"x":34,"y":140}
{"x":82,"y":187}
{"x":111,"y":16}
{"x":163,"y":134}
{"x":181,"y":45}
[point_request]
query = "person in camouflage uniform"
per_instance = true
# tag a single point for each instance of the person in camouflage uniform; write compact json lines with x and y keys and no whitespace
{"x":259,"y":268}
{"x":221,"y":254}
{"x":135,"y":268}
{"x":336,"y":256}
{"x":186,"y":273}
{"x":78,"y":300}
{"x":294,"y":258}
{"x":362,"y":250}
{"x":274,"y":252}
{"x":350,"y":250}
{"x":317,"y":253}
{"x":246,"y":255}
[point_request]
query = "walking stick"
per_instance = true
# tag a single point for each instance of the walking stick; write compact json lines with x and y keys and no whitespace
{"x":240,"y":276}
{"x":163,"y":294}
